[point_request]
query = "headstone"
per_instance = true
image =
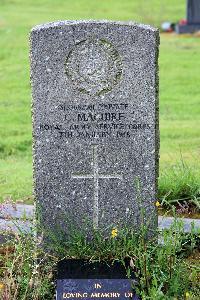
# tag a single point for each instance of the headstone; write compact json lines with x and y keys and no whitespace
{"x":193,"y":11}
{"x":193,"y":18}
{"x":95,"y":124}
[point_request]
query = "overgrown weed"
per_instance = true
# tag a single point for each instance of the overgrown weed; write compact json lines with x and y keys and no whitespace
{"x":163,"y":272}
{"x":180,"y":184}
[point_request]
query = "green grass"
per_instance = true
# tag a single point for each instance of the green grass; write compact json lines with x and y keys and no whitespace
{"x":16,"y":179}
{"x":179,"y":80}
{"x":180,"y":182}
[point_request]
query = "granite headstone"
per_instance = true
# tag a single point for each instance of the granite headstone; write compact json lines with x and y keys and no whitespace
{"x":193,"y":18}
{"x":95,"y":123}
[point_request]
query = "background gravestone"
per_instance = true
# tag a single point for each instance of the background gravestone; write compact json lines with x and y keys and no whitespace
{"x":193,"y":11}
{"x":193,"y":18}
{"x":95,"y":123}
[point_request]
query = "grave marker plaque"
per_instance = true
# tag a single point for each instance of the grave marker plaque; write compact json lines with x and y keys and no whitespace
{"x":95,"y":123}
{"x":95,"y":280}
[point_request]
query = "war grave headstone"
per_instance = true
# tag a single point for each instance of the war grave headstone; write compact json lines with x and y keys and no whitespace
{"x":95,"y":125}
{"x":193,"y":18}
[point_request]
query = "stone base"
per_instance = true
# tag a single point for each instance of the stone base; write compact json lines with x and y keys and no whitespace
{"x":188,"y":28}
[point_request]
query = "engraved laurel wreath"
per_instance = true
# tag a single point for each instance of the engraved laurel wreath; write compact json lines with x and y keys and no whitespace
{"x":94,"y":66}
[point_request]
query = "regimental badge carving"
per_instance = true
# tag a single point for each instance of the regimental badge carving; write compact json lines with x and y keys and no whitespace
{"x":94,"y":66}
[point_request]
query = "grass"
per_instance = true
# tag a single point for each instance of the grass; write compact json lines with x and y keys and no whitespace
{"x":179,"y":186}
{"x":179,"y":88}
{"x":164,"y":271}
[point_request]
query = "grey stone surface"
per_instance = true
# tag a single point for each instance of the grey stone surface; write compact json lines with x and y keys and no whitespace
{"x":15,"y":226}
{"x":167,"y":222}
{"x":95,"y":123}
{"x":16,"y":211}
{"x":18,"y":224}
{"x":188,"y":28}
{"x":29,"y":211}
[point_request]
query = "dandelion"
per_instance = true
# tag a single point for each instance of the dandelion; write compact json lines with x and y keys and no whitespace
{"x":157,"y":204}
{"x":187,"y":295}
{"x":1,"y":285}
{"x":114,"y":232}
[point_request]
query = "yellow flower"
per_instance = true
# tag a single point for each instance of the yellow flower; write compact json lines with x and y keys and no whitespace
{"x":1,"y":285}
{"x":114,"y":232}
{"x":157,"y":204}
{"x":187,"y":295}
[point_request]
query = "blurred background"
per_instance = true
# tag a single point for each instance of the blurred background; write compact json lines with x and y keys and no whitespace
{"x":179,"y":89}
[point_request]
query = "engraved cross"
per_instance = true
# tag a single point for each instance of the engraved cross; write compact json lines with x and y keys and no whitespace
{"x":96,"y":176}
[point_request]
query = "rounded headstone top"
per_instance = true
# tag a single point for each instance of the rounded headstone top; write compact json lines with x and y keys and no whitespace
{"x":97,"y":22}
